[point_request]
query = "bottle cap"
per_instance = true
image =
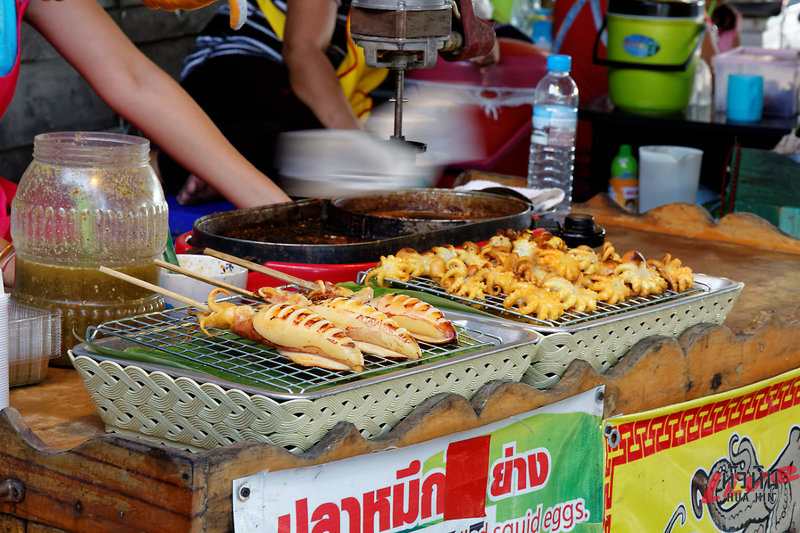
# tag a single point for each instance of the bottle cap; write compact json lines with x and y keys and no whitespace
{"x":625,"y":150}
{"x":559,"y":62}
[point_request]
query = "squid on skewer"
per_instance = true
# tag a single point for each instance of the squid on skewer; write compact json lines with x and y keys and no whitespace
{"x":296,"y":332}
{"x":373,"y":331}
{"x":425,"y":322}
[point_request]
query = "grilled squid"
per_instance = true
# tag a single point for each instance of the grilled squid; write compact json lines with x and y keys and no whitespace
{"x":222,"y":313}
{"x":373,"y":331}
{"x":422,"y":320}
{"x":296,"y":332}
{"x":307,"y":338}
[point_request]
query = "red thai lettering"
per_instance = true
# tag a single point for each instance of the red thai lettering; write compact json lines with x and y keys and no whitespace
{"x":352,"y":507}
{"x":405,"y":503}
{"x":377,"y":505}
{"x":538,"y":469}
{"x":326,"y":517}
{"x":301,"y":511}
{"x":433,"y":492}
{"x":519,"y":466}
{"x":285,"y":524}
{"x":531,"y":470}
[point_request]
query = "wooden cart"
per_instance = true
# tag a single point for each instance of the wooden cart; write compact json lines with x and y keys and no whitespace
{"x":61,"y":471}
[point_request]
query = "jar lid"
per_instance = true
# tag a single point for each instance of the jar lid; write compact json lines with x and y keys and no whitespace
{"x":579,"y":229}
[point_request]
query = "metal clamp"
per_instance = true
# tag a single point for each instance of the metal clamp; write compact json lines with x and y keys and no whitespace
{"x":12,"y":491}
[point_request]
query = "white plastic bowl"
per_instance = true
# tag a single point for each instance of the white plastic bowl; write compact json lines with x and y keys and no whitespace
{"x":198,"y":290}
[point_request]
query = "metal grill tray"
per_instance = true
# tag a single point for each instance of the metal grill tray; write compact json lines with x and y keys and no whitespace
{"x":198,"y":411}
{"x":604,"y":336}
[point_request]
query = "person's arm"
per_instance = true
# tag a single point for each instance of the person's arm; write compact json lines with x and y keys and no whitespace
{"x":7,"y":262}
{"x":308,"y":33}
{"x":136,"y":88}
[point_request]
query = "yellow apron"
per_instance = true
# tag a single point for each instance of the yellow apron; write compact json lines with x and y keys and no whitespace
{"x":356,"y":78}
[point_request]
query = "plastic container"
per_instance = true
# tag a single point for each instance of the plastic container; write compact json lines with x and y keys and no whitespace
{"x":197,"y":290}
{"x":779,"y":68}
{"x":88,"y":200}
{"x":34,"y":338}
{"x":745,"y":97}
{"x":555,"y":122}
{"x":542,"y":31}
{"x":623,"y":186}
{"x":652,"y":52}
{"x":667,"y":175}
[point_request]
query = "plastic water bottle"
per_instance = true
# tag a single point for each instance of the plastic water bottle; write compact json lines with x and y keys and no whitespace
{"x":555,"y":120}
{"x":523,"y":14}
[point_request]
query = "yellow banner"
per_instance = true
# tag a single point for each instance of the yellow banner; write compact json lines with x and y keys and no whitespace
{"x":727,"y":462}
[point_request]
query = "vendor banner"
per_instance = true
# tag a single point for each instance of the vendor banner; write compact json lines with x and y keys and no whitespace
{"x":727,"y":462}
{"x":538,"y":472}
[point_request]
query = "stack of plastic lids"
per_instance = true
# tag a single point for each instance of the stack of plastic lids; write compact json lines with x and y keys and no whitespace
{"x":4,"y":397}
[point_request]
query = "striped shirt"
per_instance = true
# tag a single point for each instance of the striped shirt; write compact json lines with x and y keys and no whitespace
{"x":256,"y":38}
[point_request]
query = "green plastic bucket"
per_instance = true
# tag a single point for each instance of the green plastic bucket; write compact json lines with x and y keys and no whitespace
{"x":651,"y":53}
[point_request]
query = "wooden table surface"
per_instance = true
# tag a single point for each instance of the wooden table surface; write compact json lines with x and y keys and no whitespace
{"x":60,"y":411}
{"x":81,"y":478}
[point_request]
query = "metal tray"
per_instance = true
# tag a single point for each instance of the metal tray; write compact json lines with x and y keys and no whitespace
{"x":197,"y":411}
{"x":704,"y":286}
{"x":604,"y":336}
{"x":259,"y":369}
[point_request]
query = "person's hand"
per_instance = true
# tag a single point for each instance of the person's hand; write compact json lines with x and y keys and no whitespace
{"x":489,"y":60}
{"x":238,"y":8}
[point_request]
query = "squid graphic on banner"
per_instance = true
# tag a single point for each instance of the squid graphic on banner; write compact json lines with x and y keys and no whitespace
{"x":741,"y":494}
{"x":538,"y":472}
{"x":729,"y":462}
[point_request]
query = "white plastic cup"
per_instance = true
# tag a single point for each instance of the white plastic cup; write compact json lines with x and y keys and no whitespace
{"x":208,"y":266}
{"x":668,"y":175}
{"x":4,"y":385}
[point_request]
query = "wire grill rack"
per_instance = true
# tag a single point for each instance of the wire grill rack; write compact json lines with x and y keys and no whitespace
{"x":233,"y":358}
{"x":494,"y":304}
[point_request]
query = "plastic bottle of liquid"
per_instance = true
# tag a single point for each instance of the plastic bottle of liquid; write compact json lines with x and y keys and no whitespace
{"x":523,"y":13}
{"x":88,"y":200}
{"x":542,"y":32}
{"x":623,"y":186}
{"x":555,"y":120}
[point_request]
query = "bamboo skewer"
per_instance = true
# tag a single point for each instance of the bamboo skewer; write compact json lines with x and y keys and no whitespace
{"x":155,"y":288}
{"x":255,"y":267}
{"x":206,"y":279}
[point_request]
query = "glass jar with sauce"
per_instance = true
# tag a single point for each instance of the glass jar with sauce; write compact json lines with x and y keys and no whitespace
{"x":88,"y":200}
